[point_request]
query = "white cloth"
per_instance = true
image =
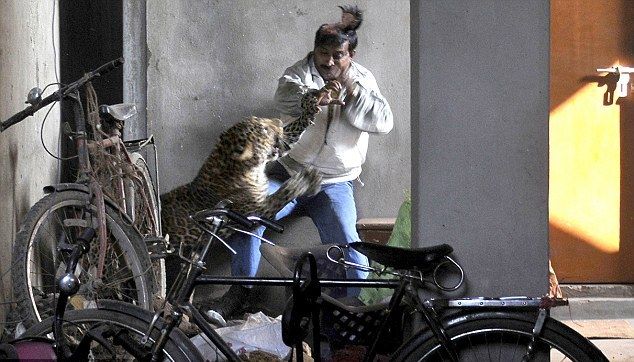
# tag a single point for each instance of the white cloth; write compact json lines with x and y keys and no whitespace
{"x":337,"y":148}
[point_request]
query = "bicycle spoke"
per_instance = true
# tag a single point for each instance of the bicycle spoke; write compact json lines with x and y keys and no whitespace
{"x":500,"y":349}
{"x":517,"y":343}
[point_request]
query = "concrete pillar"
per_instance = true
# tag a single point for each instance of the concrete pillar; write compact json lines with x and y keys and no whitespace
{"x":135,"y":67}
{"x":480,"y":138}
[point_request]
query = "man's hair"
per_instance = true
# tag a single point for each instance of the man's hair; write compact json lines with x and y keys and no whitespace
{"x":343,"y":31}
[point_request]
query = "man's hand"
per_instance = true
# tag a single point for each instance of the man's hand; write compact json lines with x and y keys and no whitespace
{"x":346,"y":80}
{"x":329,"y":94}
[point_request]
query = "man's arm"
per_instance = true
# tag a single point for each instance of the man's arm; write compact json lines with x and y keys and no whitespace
{"x":366,"y":109}
{"x":299,"y":103}
{"x":288,"y":95}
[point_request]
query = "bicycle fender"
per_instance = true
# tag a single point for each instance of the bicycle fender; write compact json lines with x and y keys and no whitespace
{"x":147,"y":316}
{"x":455,"y":317}
{"x":72,"y":186}
{"x":127,"y":309}
{"x":464,"y":315}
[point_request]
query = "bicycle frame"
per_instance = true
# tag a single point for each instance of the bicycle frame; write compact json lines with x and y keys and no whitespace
{"x":306,"y":291}
{"x":137,"y":145}
{"x":86,"y":176}
{"x":124,"y":171}
{"x":98,"y":207}
{"x":430,"y":308}
{"x":189,"y":278}
{"x":434,"y":312}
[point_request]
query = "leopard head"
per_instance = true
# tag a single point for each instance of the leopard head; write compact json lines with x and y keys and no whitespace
{"x":254,"y":141}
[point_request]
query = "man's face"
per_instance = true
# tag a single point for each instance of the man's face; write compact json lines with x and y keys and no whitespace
{"x":332,"y":61}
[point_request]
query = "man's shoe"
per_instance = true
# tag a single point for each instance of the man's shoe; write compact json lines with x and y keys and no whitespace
{"x":229,"y":304}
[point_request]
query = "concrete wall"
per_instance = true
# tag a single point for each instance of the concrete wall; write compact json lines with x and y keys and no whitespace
{"x":26,"y":61}
{"x":480,"y":160}
{"x":212,"y":63}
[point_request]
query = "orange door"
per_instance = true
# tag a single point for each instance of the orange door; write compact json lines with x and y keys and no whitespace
{"x":591,"y":195}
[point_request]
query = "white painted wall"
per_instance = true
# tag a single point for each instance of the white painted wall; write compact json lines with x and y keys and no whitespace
{"x":26,"y":60}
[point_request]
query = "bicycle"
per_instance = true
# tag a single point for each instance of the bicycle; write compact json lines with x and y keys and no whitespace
{"x":57,"y":348}
{"x":103,"y":198}
{"x":517,"y":328}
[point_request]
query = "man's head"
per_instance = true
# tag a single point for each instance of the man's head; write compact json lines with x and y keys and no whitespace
{"x":332,"y":61}
{"x":335,"y":44}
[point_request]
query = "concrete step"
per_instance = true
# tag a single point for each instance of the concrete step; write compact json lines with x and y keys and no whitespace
{"x":584,"y":308}
{"x":597,"y":290}
{"x":603,"y":328}
{"x":616,"y":350}
{"x":603,"y":313}
{"x":596,"y":301}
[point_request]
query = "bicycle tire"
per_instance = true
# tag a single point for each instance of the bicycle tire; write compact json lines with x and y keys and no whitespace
{"x":36,"y":263}
{"x":500,"y":336}
{"x":77,"y":322}
{"x":158,"y":265}
{"x":145,"y":187}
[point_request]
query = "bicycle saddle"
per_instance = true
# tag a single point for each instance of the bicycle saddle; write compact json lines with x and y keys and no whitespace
{"x":121,"y":111}
{"x":423,"y":259}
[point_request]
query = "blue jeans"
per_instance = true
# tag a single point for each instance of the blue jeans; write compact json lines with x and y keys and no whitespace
{"x":333,"y":212}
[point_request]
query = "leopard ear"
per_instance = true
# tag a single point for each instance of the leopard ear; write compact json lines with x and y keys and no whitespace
{"x":247,"y":153}
{"x":274,"y":122}
{"x":277,"y":122}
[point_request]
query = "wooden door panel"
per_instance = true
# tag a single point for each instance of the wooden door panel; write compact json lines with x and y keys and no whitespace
{"x":591,"y":203}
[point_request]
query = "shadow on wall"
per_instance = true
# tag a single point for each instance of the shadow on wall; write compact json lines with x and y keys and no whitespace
{"x":20,"y":199}
{"x":588,"y":259}
{"x":19,"y":205}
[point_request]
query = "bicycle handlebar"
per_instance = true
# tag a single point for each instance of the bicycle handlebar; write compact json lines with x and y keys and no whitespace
{"x":268,"y":223}
{"x":232,"y":215}
{"x":60,"y":93}
{"x":248,"y":222}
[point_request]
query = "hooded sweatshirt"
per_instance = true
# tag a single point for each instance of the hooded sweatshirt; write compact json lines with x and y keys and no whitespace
{"x":336,"y":145}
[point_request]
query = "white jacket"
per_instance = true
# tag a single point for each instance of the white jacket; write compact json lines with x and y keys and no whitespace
{"x":337,"y":149}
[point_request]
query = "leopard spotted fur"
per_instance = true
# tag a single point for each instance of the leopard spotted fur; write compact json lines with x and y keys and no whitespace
{"x":235,"y":171}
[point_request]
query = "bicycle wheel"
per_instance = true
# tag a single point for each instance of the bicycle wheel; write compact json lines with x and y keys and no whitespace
{"x":61,"y":217}
{"x":144,"y":209}
{"x":500,"y":336}
{"x":78,"y":322}
{"x":147,"y":217}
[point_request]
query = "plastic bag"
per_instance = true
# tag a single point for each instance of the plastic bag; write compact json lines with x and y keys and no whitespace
{"x":258,"y":332}
{"x":402,"y":237}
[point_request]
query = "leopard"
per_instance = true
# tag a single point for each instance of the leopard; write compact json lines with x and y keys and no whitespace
{"x":235,"y":171}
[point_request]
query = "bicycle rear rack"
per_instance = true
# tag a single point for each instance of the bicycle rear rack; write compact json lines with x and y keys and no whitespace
{"x":510,"y":302}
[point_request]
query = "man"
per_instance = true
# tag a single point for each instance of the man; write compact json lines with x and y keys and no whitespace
{"x":335,"y":145}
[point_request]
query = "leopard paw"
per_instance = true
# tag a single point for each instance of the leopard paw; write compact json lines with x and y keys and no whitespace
{"x":311,"y":181}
